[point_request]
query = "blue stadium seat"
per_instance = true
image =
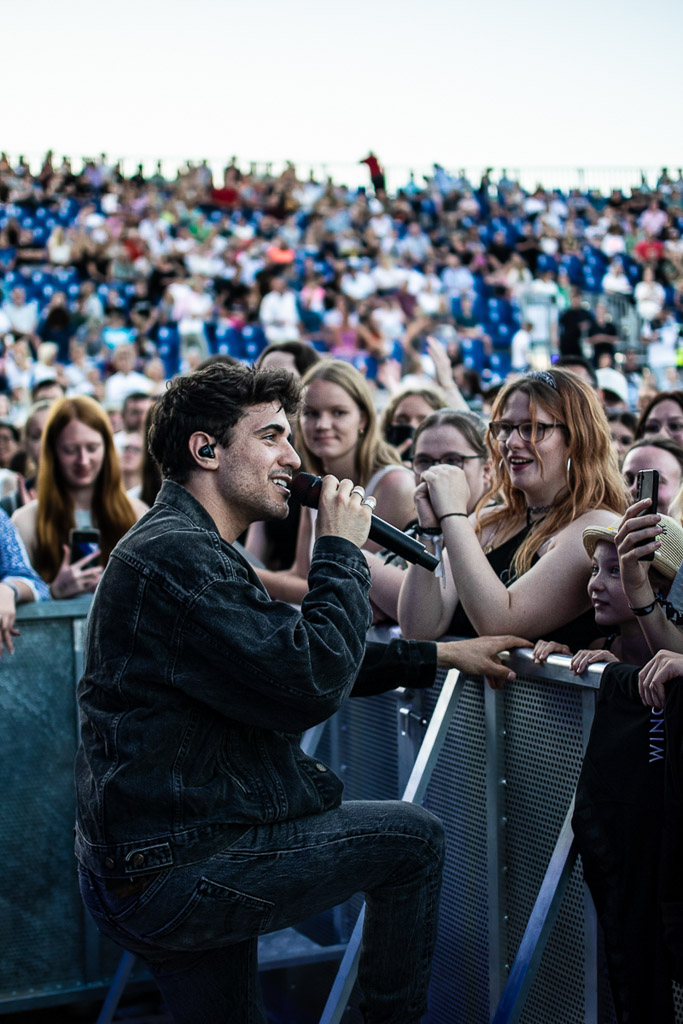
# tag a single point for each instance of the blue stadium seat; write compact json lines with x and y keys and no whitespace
{"x":500,"y":363}
{"x":473,"y":355}
{"x":227,"y":341}
{"x":168,"y":347}
{"x":255,"y":341}
{"x":546,"y":262}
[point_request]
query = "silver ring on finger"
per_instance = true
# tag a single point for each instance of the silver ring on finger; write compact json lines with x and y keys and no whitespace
{"x":371,"y":501}
{"x":360,"y":491}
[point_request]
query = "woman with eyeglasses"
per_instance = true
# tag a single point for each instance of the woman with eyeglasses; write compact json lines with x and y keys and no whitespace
{"x":662,"y":417}
{"x":519,"y":565}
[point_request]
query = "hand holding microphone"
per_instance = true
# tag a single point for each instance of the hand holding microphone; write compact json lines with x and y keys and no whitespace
{"x":342,"y":511}
{"x":307,"y":489}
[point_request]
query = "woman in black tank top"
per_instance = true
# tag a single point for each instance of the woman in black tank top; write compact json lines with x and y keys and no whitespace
{"x":519,"y":566}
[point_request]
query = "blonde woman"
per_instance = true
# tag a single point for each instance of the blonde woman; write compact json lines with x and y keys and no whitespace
{"x":338,"y":433}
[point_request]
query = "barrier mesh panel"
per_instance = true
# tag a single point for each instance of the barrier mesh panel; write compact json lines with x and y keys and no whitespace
{"x":360,"y":744}
{"x":543,"y":756}
{"x":45,"y":941}
{"x":457,"y":795}
{"x":36,"y":841}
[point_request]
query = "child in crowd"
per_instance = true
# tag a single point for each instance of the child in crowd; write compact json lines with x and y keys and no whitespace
{"x":624,"y":640}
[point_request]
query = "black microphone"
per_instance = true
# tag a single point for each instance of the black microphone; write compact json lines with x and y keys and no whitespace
{"x":306,"y":488}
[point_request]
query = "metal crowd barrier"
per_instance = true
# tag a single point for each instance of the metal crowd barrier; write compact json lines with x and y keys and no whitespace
{"x":518,"y":935}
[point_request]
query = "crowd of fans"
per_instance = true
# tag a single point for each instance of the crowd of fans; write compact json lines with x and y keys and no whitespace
{"x":111,"y":281}
{"x":435,"y":330}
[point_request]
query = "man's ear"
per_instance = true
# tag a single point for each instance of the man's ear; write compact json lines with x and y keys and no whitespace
{"x":202,"y":448}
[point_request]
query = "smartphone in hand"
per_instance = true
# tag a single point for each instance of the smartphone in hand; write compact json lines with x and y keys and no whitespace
{"x":647,"y":483}
{"x":83,"y":542}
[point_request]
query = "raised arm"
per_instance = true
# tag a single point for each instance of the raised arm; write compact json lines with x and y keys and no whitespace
{"x":550,"y":594}
{"x":637,"y":535}
{"x":426,"y":602}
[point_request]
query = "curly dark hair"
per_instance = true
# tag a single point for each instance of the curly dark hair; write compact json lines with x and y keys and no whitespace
{"x":213,"y":400}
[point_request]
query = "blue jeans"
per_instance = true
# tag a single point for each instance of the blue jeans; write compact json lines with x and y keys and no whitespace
{"x":197,"y":926}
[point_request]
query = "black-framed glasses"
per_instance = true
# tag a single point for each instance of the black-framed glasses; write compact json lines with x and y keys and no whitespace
{"x":657,"y":426}
{"x":502,"y":430}
{"x":421,"y":463}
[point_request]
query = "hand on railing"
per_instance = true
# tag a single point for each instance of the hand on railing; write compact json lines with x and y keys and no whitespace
{"x":479,"y":657}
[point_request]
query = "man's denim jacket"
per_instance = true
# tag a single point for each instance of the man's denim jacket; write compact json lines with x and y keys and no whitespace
{"x":196,"y":687}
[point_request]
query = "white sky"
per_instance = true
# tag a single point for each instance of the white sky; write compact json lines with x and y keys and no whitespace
{"x":527,"y":84}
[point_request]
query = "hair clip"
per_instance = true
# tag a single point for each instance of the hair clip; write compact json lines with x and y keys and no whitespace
{"x":544,"y":376}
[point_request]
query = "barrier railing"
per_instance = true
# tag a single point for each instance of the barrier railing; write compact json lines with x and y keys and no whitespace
{"x":518,"y":933}
{"x":499,"y":768}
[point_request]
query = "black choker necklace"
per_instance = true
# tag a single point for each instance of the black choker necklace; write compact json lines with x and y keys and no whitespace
{"x":536,"y":510}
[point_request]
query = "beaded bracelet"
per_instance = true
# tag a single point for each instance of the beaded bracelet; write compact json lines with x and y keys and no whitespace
{"x":465,"y":514}
{"x":428,"y":531}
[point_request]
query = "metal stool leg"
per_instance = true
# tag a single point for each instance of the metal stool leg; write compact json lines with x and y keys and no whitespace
{"x":116,"y":988}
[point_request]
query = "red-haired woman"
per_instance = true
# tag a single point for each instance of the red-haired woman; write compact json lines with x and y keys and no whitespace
{"x":79,"y":485}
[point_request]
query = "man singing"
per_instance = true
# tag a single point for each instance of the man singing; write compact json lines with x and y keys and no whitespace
{"x":201,"y":823}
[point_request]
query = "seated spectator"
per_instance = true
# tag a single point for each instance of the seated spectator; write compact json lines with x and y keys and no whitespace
{"x":357,"y":283}
{"x":47,"y":389}
{"x":18,"y":582}
{"x":603,"y":337}
{"x":650,"y":296}
{"x":59,"y":247}
{"x":653,"y":220}
{"x":192,"y":306}
{"x":56,"y":324}
{"x":278,"y":313}
{"x":79,"y":485}
{"x":125,"y":380}
{"x":520,"y":347}
{"x":116,"y":330}
{"x":467,"y":323}
{"x":576,"y":324}
{"x":457,"y":280}
{"x":21,"y":314}
{"x":615,"y":281}
{"x":553,"y":464}
{"x":660,"y":453}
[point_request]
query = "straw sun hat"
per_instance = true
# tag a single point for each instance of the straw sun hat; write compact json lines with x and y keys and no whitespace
{"x":668,"y":557}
